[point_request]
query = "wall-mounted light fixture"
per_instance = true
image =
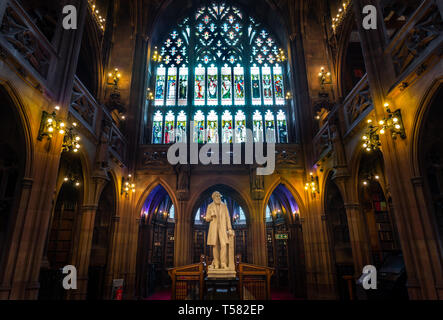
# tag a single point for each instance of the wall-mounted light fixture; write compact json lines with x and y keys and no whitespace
{"x":72,"y":180}
{"x":114,"y":77}
{"x":156,"y":57}
{"x":128,"y":185}
{"x":71,"y":141}
{"x":50,"y":125}
{"x":288,"y":95}
{"x":393,"y":122}
{"x":149,"y":95}
{"x":371,"y":138}
{"x":341,"y":12}
{"x":281,"y":57}
{"x":324,"y":77}
{"x":312,"y":185}
{"x":101,"y":21}
{"x":370,"y":178}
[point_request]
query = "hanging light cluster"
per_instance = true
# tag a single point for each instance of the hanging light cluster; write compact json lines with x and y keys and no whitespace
{"x":50,"y":125}
{"x":312,"y":185}
{"x":156,"y":57}
{"x":338,"y":18}
{"x":96,"y":14}
{"x":393,"y":122}
{"x":72,"y":180}
{"x":149,"y":95}
{"x":128,"y":185}
{"x":281,"y":57}
{"x":114,"y":77}
{"x":71,"y":141}
{"x":371,"y":177}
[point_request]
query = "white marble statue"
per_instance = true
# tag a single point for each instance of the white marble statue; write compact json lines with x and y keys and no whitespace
{"x":220,"y":236}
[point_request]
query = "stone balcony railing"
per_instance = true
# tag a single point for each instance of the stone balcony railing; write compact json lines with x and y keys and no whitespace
{"x":419,"y":38}
{"x":97,"y":120}
{"x":155,"y":157}
{"x":22,"y":40}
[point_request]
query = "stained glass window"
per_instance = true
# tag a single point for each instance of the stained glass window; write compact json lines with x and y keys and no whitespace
{"x":240,"y":127}
{"x":183,"y":86}
{"x":226,"y":85}
{"x":181,"y":127}
{"x":199,"y":127}
{"x":282,"y":127}
{"x":212,"y":127}
{"x":279,"y":86}
{"x":212,"y":86}
{"x":258,"y":126}
{"x":235,"y":63}
{"x":169,"y":128}
{"x":270,"y":127}
{"x":157,"y":129}
{"x":227,"y":131}
{"x":160,"y":86}
{"x":172,"y":86}
{"x":239,"y":86}
{"x":200,"y":86}
{"x":255,"y":86}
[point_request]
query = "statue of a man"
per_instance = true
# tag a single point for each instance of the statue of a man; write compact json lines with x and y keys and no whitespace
{"x":220,"y":230}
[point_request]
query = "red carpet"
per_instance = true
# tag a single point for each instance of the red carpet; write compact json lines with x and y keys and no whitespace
{"x":165,"y":294}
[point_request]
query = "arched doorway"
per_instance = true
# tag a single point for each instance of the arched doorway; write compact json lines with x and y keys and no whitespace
{"x":238,"y":212}
{"x":284,"y":241}
{"x":378,"y":212}
{"x":101,"y":242}
{"x":339,"y":239}
{"x":62,"y":227}
{"x":431,"y":163}
{"x":156,"y":242}
{"x":12,"y":170}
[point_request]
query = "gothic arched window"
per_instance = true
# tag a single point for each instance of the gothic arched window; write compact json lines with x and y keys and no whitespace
{"x":227,"y":72}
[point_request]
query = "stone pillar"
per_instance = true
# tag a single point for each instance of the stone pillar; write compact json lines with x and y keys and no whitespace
{"x":83,"y":239}
{"x":82,"y":252}
{"x":183,"y":237}
{"x":112,"y":258}
{"x":358,"y":237}
{"x":257,"y":235}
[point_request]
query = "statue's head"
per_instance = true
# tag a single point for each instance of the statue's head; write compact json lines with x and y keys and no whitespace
{"x":216,"y":196}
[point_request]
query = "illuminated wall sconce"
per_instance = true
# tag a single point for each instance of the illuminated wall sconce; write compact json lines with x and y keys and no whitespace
{"x":50,"y":125}
{"x":156,"y":57}
{"x":370,"y":178}
{"x":71,"y":141}
{"x":392,"y":122}
{"x":281,"y":57}
{"x":96,"y":13}
{"x":114,"y":77}
{"x":288,"y":95}
{"x":325,"y":77}
{"x":371,"y":138}
{"x":74,"y":181}
{"x":128,"y":185}
{"x":338,"y":18}
{"x":313,"y":185}
{"x":150,"y":95}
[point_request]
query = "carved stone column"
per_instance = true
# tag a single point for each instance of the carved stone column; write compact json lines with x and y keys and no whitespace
{"x":183,"y":236}
{"x":83,"y":240}
{"x":112,"y":258}
{"x":358,"y":237}
{"x":257,"y":235}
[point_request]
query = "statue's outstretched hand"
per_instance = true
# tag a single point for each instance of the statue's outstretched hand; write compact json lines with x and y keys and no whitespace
{"x":231,"y":233}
